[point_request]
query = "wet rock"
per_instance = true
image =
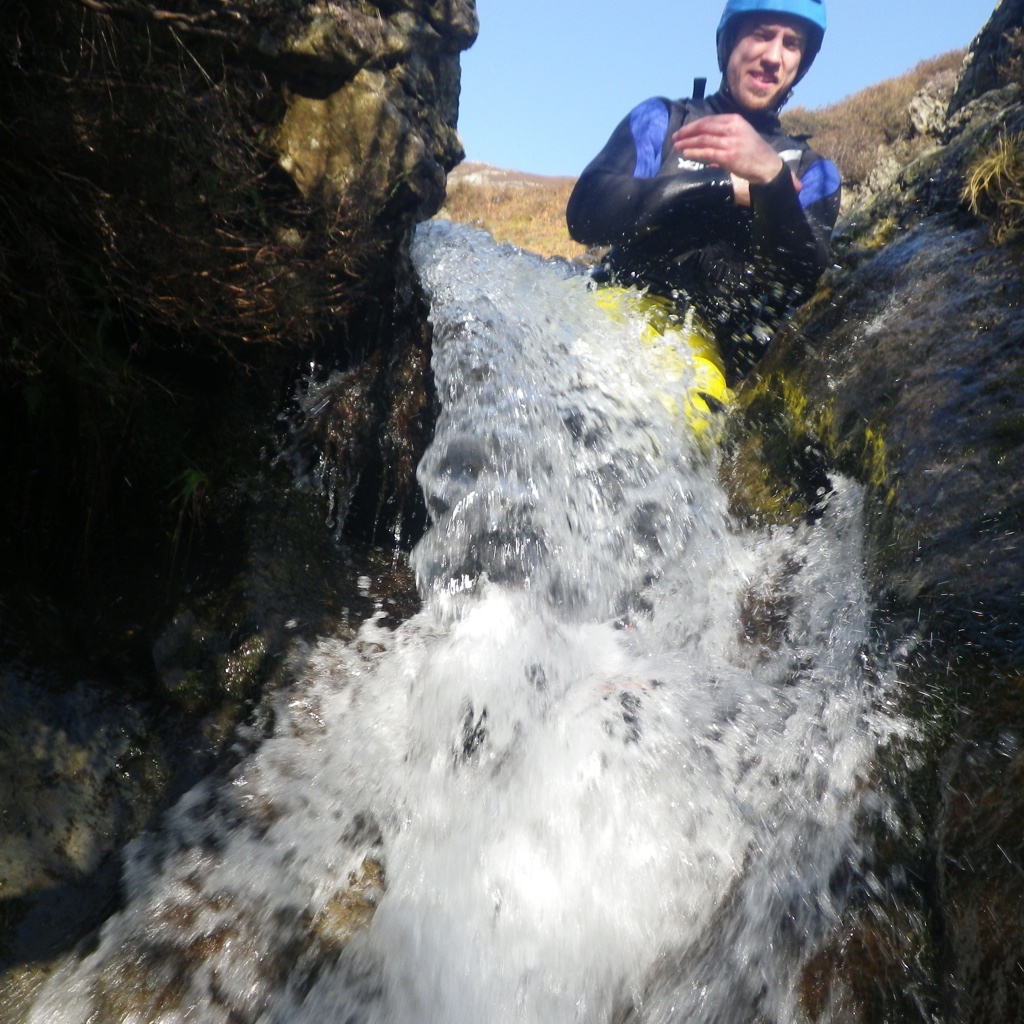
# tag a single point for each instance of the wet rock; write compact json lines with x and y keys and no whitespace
{"x":871,"y":971}
{"x":351,"y":910}
{"x":906,"y":372}
{"x":74,"y":746}
{"x":339,"y":40}
{"x":176,"y":568}
{"x":82,"y":772}
{"x":980,"y":858}
{"x":364,"y":139}
{"x":372,"y":101}
{"x":237,"y":225}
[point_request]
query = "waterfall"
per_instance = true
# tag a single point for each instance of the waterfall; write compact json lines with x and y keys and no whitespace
{"x":618,"y":768}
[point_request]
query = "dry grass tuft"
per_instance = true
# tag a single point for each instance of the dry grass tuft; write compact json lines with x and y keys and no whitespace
{"x":994,"y":187}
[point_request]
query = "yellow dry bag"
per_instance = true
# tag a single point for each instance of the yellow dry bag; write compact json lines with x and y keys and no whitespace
{"x":690,"y":370}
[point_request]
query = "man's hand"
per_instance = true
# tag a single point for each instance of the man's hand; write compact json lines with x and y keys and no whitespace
{"x":731,"y":142}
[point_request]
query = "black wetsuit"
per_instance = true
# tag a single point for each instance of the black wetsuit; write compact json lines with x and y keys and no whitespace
{"x":674,"y":227}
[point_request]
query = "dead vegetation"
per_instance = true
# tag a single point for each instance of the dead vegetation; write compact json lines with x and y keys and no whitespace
{"x":994,"y":187}
{"x":856,"y":131}
{"x":994,"y":182}
{"x":530,"y":214}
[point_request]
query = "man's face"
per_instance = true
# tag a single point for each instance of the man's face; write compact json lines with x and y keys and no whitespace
{"x":765,"y":59}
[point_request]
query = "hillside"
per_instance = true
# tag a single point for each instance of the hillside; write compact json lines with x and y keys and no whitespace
{"x":525,"y":209}
{"x":870,"y":135}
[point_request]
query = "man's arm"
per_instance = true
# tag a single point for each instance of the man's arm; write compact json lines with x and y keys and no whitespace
{"x":731,"y":142}
{"x":619,"y":199}
{"x":791,"y":227}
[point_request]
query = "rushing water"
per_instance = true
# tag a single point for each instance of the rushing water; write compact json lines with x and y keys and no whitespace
{"x":618,"y":766}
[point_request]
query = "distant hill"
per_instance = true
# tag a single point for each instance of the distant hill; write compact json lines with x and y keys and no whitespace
{"x":471,"y":173}
{"x":525,"y":209}
{"x":869,"y":135}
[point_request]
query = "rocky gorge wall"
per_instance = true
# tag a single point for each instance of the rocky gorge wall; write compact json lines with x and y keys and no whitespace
{"x":204,"y":217}
{"x":905,"y":370}
{"x":199,"y":197}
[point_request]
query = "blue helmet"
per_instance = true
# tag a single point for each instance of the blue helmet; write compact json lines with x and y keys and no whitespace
{"x":810,"y":11}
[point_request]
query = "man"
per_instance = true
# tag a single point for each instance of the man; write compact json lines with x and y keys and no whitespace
{"x":708,"y":201}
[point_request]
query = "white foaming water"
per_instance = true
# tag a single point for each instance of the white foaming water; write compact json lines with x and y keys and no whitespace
{"x":613,"y":769}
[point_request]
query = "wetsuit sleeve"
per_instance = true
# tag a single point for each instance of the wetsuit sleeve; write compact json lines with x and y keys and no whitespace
{"x":790,"y":239}
{"x":619,"y":198}
{"x":791,"y":230}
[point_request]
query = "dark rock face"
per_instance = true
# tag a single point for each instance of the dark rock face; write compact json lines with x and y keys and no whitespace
{"x":920,"y":348}
{"x":910,"y":356}
{"x":372,"y":99}
{"x":205,"y":213}
{"x":978,"y":852}
{"x":906,"y":370}
{"x":195,"y":200}
{"x":989,"y":54}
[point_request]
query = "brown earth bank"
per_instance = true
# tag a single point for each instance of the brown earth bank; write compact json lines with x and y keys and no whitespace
{"x":527,"y":210}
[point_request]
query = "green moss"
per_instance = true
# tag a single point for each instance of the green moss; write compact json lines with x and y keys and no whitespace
{"x":781,"y":446}
{"x":240,"y":670}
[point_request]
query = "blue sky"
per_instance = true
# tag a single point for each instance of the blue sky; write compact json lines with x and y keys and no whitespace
{"x":547,"y":80}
